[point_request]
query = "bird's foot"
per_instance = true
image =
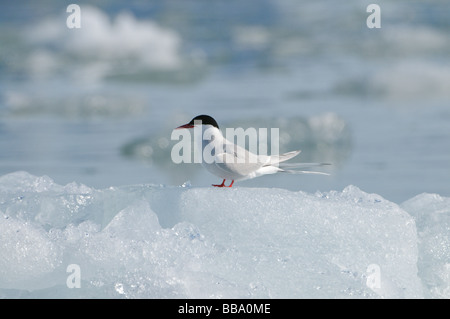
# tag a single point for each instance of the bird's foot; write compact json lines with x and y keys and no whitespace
{"x":223,"y":184}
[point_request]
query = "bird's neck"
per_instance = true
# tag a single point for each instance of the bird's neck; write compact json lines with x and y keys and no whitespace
{"x":211,"y":133}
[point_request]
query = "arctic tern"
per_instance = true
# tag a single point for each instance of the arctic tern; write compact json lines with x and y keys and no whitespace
{"x":233,"y":162}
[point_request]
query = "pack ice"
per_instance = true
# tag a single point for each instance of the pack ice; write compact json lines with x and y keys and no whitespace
{"x":153,"y":241}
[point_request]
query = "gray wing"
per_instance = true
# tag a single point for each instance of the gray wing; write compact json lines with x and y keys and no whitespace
{"x":237,"y":160}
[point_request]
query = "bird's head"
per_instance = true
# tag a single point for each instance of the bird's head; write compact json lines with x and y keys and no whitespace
{"x":199,"y":120}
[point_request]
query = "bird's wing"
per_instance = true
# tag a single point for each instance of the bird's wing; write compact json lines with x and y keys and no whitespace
{"x":237,"y":160}
{"x":276,"y":159}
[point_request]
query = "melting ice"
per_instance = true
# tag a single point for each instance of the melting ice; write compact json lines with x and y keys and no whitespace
{"x":148,"y":241}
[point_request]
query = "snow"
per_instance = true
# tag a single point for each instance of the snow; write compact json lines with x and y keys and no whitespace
{"x":156,"y":241}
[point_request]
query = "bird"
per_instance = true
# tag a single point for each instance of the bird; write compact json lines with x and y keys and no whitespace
{"x":229,"y":161}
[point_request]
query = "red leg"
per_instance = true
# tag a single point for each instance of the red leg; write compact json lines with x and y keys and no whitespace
{"x":223,"y":184}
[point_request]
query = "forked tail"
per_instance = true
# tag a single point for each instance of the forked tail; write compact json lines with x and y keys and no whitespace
{"x":293,"y":171}
{"x":294,"y":168}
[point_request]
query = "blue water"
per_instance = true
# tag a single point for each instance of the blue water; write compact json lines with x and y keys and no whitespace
{"x":96,"y":105}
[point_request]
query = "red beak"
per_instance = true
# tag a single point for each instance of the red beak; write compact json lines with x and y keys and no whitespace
{"x":184,"y":126}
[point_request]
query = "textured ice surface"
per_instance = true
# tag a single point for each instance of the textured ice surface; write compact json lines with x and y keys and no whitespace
{"x":148,"y":241}
{"x":432,"y":215}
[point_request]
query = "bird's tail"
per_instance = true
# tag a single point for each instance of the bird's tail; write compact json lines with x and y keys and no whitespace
{"x":294,"y":168}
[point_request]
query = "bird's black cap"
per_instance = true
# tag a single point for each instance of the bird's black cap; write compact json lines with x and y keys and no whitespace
{"x":206,"y":120}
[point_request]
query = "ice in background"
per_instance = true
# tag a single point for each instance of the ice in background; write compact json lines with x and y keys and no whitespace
{"x":86,"y":176}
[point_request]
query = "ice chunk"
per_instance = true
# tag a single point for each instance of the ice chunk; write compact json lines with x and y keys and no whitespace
{"x":27,"y":255}
{"x":432,"y":215}
{"x":303,"y":245}
{"x":41,"y":199}
{"x":146,"y":241}
{"x":412,"y":79}
{"x":123,"y":39}
{"x":25,"y":182}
